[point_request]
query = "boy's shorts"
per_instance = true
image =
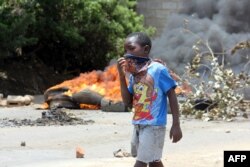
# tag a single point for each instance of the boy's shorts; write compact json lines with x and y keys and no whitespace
{"x":147,"y":142}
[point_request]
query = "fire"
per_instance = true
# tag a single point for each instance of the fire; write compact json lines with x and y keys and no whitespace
{"x":106,"y":83}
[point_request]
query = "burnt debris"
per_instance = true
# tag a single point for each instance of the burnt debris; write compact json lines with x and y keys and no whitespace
{"x":56,"y":117}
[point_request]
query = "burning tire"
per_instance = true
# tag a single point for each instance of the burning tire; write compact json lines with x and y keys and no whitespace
{"x":87,"y":97}
{"x":62,"y":101}
{"x":111,"y":106}
{"x":50,"y":93}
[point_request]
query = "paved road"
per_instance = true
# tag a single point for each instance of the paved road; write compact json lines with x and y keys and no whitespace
{"x":202,"y":145}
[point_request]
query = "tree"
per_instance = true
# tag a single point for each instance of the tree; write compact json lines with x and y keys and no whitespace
{"x":69,"y":35}
{"x":14,"y":22}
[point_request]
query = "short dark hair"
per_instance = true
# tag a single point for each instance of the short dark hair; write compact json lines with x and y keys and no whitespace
{"x":142,"y":38}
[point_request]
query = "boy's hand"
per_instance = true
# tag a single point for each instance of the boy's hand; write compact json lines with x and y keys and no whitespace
{"x":175,"y":133}
{"x":121,"y":65}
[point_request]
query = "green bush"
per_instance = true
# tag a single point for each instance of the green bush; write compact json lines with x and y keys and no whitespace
{"x":68,"y":35}
{"x":14,"y":22}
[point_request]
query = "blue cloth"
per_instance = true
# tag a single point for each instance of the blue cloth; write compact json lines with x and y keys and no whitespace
{"x":150,"y":95}
{"x":138,"y":59}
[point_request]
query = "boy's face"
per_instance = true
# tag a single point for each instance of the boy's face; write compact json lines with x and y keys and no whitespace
{"x":131,"y":46}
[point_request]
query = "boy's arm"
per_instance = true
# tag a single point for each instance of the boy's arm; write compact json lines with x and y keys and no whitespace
{"x":175,"y":131}
{"x":126,"y":96}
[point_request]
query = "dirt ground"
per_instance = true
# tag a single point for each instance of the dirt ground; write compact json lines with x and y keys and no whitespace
{"x":202,"y":145}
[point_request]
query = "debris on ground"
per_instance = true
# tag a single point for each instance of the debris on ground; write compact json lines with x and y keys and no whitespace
{"x":15,"y":100}
{"x":57,"y":116}
{"x":121,"y":153}
{"x":23,"y":144}
{"x":79,"y":152}
{"x":218,"y":91}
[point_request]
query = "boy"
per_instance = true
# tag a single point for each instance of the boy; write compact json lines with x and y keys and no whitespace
{"x":149,"y":86}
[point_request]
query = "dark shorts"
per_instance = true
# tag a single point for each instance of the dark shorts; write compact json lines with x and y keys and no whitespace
{"x":147,"y":142}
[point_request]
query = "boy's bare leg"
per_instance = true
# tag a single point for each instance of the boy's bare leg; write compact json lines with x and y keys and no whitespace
{"x":140,"y":164}
{"x":156,"y":164}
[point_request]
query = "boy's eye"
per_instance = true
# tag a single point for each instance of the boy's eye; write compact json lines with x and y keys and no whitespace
{"x":131,"y":48}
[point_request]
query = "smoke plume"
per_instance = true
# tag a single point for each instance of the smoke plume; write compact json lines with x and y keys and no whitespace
{"x":219,"y":23}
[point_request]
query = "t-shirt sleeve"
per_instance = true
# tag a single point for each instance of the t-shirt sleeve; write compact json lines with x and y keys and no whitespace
{"x":166,"y":82}
{"x":130,"y":84}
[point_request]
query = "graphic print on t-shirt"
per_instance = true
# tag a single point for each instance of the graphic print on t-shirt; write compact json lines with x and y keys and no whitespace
{"x":144,"y":95}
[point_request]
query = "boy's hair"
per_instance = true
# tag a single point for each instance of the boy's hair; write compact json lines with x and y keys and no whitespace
{"x":142,"y":38}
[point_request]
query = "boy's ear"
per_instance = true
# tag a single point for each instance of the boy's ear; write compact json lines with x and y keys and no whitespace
{"x":147,"y":49}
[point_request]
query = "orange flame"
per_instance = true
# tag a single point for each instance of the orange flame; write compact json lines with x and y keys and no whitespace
{"x":105,"y":83}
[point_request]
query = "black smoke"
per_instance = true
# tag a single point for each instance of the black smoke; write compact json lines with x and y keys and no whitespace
{"x":219,"y":23}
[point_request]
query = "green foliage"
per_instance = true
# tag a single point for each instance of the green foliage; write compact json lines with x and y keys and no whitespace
{"x":70,"y":35}
{"x":14,"y":24}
